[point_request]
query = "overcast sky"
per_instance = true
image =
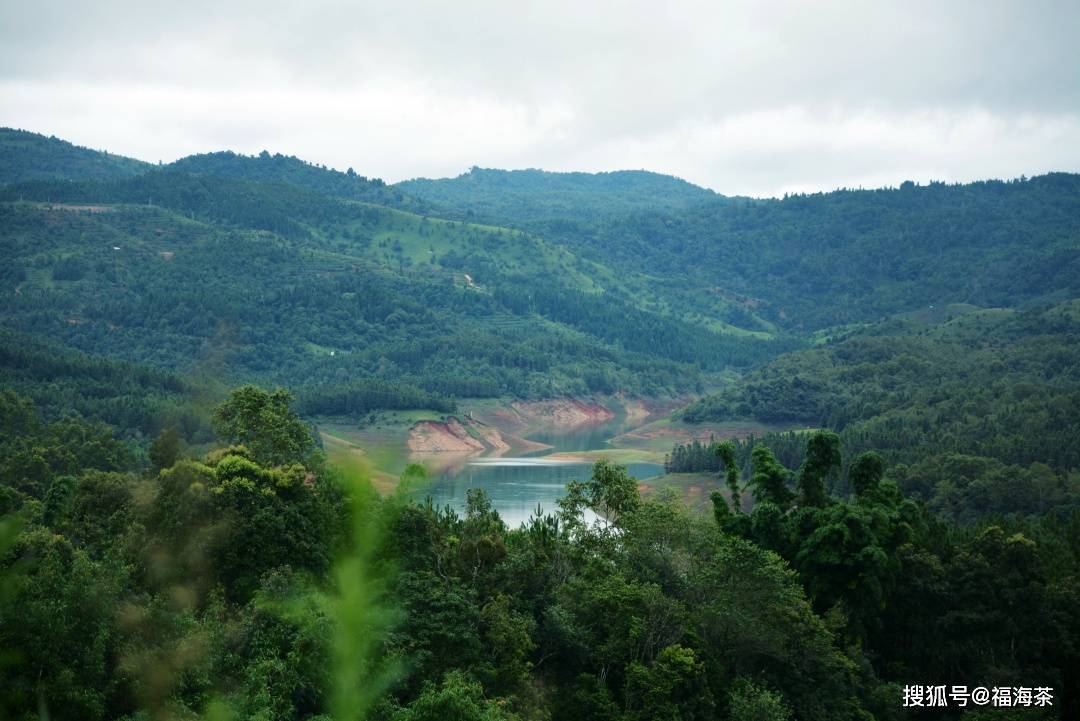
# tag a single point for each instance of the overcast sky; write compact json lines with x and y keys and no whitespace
{"x":751,"y":98}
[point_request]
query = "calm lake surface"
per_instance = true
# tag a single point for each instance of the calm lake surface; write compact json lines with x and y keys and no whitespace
{"x":517,"y":485}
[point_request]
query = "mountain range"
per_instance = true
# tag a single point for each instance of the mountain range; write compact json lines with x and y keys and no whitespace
{"x":524,"y":283}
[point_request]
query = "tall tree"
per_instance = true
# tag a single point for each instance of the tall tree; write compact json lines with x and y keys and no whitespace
{"x":865,"y":473}
{"x":265,"y":423}
{"x":822,"y":458}
{"x":726,"y":453}
{"x":770,"y":478}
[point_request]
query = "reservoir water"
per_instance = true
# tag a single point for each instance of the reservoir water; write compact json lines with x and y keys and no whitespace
{"x":518,"y":485}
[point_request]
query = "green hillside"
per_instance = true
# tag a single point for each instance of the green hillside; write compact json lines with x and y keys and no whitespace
{"x":661,"y":293}
{"x":62,"y":382}
{"x":803,"y":263}
{"x":523,"y":196}
{"x":342,"y":294}
{"x":279,"y":168}
{"x":978,"y":404}
{"x":30,"y":156}
{"x":176,"y":543}
{"x":652,"y":302}
{"x":812,"y":261}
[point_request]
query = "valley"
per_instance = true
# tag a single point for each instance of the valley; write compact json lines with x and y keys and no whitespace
{"x":503,"y":314}
{"x":523,"y":453}
{"x":537,"y":445}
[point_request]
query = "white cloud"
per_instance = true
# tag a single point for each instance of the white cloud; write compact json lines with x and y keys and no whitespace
{"x":742,"y":97}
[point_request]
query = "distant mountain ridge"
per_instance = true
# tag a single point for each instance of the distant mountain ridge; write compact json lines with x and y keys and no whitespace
{"x":808,"y":262}
{"x":481,"y":193}
{"x":31,"y":156}
{"x":279,"y":168}
{"x":608,"y":254}
{"x":540,"y":195}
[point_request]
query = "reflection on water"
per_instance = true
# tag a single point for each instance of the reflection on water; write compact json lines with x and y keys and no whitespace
{"x":517,"y":485}
{"x":531,"y":461}
{"x":583,"y":438}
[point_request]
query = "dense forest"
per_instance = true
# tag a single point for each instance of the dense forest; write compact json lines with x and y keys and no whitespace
{"x":249,"y":259}
{"x":176,"y":542}
{"x":258,"y":581}
{"x":280,"y":168}
{"x":808,"y":262}
{"x":153,"y":287}
{"x":967,"y":403}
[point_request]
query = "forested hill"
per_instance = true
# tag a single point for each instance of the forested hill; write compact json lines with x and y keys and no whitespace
{"x":591,"y":283}
{"x":283,"y":284}
{"x":926,"y":527}
{"x":813,"y":261}
{"x":981,"y":407}
{"x":280,"y":168}
{"x":30,"y":156}
{"x":522,"y":196}
{"x":786,"y":266}
{"x":953,"y":377}
{"x":26,"y":156}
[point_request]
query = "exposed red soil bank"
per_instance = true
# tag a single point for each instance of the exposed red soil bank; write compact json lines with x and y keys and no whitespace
{"x":454,"y":436}
{"x":562,"y":412}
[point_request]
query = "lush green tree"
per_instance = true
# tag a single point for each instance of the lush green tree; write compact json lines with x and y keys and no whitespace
{"x":847,"y":555}
{"x":726,"y":453}
{"x":509,"y":633}
{"x":102,"y":514}
{"x":770,"y":479}
{"x":166,"y":448}
{"x":748,"y":702}
{"x":60,"y":621}
{"x":264,"y":422}
{"x":822,"y":458}
{"x":673,"y":687}
{"x":866,"y":473}
{"x":455,"y":699}
{"x":610,"y":491}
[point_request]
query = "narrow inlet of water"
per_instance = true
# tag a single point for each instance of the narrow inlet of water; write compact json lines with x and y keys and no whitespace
{"x":517,"y":486}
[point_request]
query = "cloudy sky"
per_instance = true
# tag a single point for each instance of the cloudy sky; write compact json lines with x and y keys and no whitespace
{"x":753,"y":98}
